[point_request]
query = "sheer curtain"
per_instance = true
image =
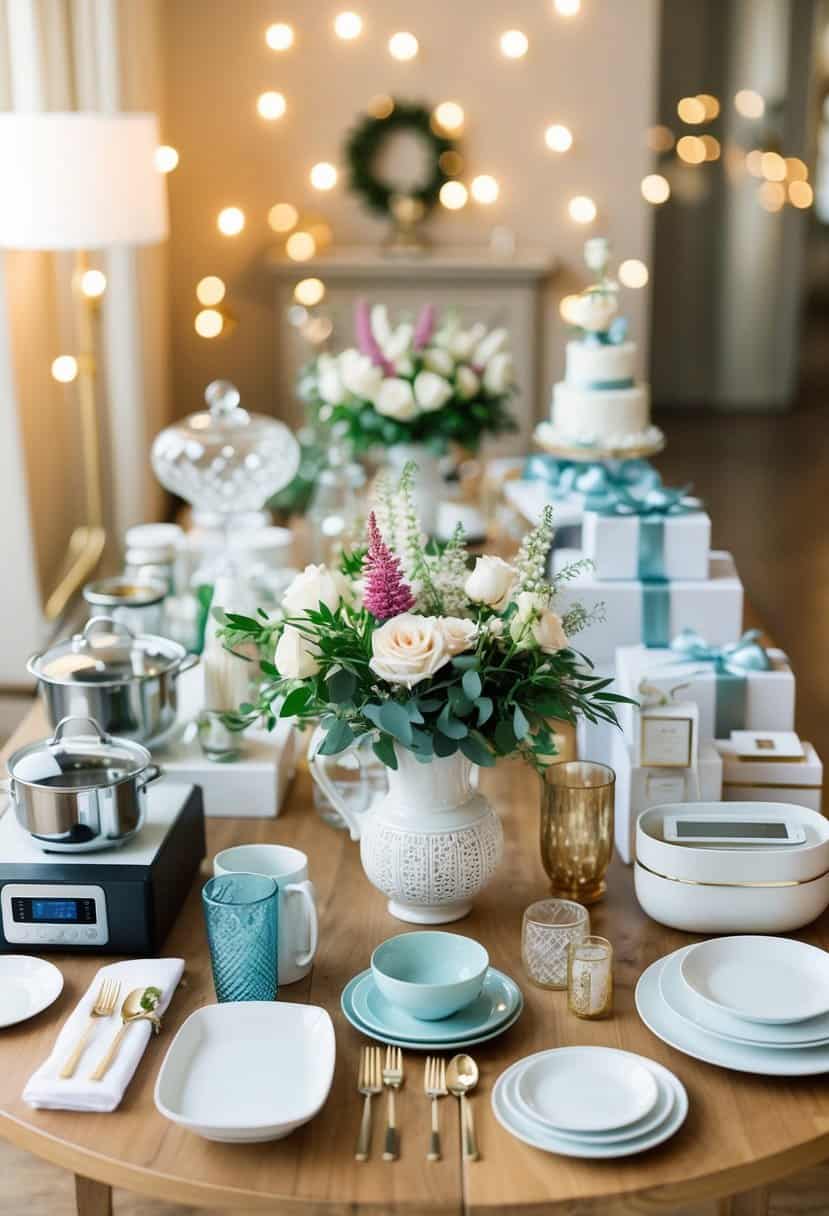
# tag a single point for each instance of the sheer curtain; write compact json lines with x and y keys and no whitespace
{"x":59,"y":55}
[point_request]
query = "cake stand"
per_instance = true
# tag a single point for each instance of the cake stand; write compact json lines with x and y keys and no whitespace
{"x":545,"y":438}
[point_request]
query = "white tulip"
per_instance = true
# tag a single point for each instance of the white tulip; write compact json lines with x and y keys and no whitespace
{"x":431,"y":391}
{"x":467,"y":382}
{"x":329,"y":381}
{"x":408,"y":648}
{"x":404,"y":366}
{"x":380,"y":323}
{"x":359,"y":375}
{"x":315,"y":585}
{"x":594,"y":310}
{"x":489,"y":346}
{"x":535,"y":624}
{"x":395,"y":399}
{"x":295,"y":656}
{"x":438,"y":360}
{"x":491,"y":582}
{"x":499,"y":374}
{"x":462,"y":343}
{"x":398,"y":342}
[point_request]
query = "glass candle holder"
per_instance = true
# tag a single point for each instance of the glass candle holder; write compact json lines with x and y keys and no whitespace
{"x":590,"y":977}
{"x":577,"y":828}
{"x":241,"y":912}
{"x":550,"y":927}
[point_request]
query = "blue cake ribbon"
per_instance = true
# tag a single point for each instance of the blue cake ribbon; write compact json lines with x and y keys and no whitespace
{"x":659,"y":504}
{"x":731,"y":666}
{"x":595,"y":480}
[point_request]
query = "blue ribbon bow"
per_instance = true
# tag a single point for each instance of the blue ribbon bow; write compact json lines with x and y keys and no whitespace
{"x":732,"y":665}
{"x":651,"y":509}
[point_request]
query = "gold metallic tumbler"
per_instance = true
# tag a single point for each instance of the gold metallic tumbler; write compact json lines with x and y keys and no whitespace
{"x":577,"y":828}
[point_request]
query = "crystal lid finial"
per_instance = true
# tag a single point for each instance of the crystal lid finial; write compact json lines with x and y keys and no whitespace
{"x":222,"y":397}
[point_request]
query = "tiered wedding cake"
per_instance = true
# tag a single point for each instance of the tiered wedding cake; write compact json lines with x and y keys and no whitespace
{"x":599,"y":404}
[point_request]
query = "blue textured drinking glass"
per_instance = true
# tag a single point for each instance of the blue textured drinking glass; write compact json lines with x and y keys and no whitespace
{"x":241,"y":912}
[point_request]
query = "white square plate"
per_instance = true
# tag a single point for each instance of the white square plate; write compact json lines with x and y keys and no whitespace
{"x":247,"y":1071}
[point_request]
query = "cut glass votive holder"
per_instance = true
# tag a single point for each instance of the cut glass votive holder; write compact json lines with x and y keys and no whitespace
{"x":241,"y":912}
{"x":590,"y":977}
{"x":550,"y":927}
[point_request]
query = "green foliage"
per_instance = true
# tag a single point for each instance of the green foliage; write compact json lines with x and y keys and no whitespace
{"x":364,"y":146}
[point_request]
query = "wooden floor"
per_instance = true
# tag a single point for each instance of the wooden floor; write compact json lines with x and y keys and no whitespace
{"x":765,"y":481}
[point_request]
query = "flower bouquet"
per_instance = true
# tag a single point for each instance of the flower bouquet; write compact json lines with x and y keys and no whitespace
{"x":421,"y":383}
{"x":406,"y":644}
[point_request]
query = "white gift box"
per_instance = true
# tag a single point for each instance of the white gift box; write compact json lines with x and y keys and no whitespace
{"x":797,"y":781}
{"x":759,"y":700}
{"x":636,"y":546}
{"x":530,"y":498}
{"x":653,"y":613}
{"x":639,"y":787}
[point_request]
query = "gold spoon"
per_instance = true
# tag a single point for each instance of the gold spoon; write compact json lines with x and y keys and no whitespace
{"x":461,"y":1079}
{"x":139,"y":1006}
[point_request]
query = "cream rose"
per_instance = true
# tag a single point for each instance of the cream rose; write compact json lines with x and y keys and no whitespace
{"x":467,"y":382}
{"x":314,"y":586}
{"x":438,"y":360}
{"x":395,"y":399}
{"x":458,"y":634}
{"x":408,"y":648}
{"x":594,"y":310}
{"x":499,"y":374}
{"x":330,"y":383}
{"x":489,"y":346}
{"x":491,"y":582}
{"x":295,"y":656}
{"x":535,"y":623}
{"x":359,"y":375}
{"x":431,"y":391}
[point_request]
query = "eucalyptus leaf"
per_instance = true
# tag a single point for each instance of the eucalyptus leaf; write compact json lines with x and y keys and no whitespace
{"x":520,"y":725}
{"x":485,"y":709}
{"x":451,"y":726}
{"x":383,"y":748}
{"x":395,"y":721}
{"x":295,"y":702}
{"x":443,"y":745}
{"x":465,"y":662}
{"x":337,"y":738}
{"x":459,"y":703}
{"x":476,"y":750}
{"x":341,"y":685}
{"x":471,"y":684}
{"x":505,"y":739}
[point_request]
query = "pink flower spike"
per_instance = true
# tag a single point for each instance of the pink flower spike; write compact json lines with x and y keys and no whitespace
{"x":425,"y":326}
{"x":366,"y":340}
{"x":386,"y":593}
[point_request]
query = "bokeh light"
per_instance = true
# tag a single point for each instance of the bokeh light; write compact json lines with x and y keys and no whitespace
{"x":633,"y":273}
{"x":691,"y":110}
{"x":660,"y":138}
{"x":282,"y":217}
{"x":567,"y":8}
{"x":64,"y":369}
{"x":271,"y":105}
{"x":209,"y":323}
{"x":772,"y":196}
{"x":323,"y":176}
{"x":381,"y":106}
{"x":749,"y":104}
{"x":403,"y":45}
{"x":348,"y":25}
{"x":484,"y":188}
{"x":796,"y":169}
{"x":691,"y":149}
{"x":582,"y":209}
{"x":93,"y":284}
{"x":801,"y":194}
{"x":210,"y":290}
{"x":448,"y":116}
{"x":309,"y":292}
{"x":231,"y":221}
{"x":279,"y":36}
{"x":568,"y":306}
{"x":655,"y":188}
{"x":300,"y":246}
{"x":558,"y":138}
{"x":712,"y":147}
{"x":773,"y":167}
{"x":166,"y":158}
{"x":514,"y":44}
{"x":453,"y":195}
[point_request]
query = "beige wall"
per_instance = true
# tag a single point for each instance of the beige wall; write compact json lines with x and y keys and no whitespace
{"x":595,"y":72}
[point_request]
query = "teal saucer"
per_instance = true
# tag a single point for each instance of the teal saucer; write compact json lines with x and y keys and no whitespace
{"x":419,"y":1043}
{"x":499,"y":998}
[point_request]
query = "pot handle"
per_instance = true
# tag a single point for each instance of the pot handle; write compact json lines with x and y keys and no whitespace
{"x":187,"y":664}
{"x":103,"y":737}
{"x":82,"y":638}
{"x":153,"y":772}
{"x":316,"y":765}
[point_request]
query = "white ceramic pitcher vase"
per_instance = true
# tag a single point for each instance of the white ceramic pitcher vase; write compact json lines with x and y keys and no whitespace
{"x":431,"y":843}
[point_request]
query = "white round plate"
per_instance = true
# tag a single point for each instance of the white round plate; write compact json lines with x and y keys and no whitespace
{"x":761,"y":979}
{"x":27,"y":986}
{"x":686,"y":1004}
{"x":508,"y":1115}
{"x":586,"y":1089}
{"x":699,"y":1045}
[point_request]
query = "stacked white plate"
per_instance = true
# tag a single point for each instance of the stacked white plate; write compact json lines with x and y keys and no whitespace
{"x":589,"y":1102}
{"x":755,"y":1004}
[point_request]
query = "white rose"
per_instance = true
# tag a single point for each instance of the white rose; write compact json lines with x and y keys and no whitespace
{"x":431,"y":391}
{"x":395,"y":399}
{"x":329,"y":382}
{"x":496,"y":626}
{"x":458,"y":633}
{"x":498,"y":374}
{"x":536,"y":623}
{"x":404,"y":366}
{"x":437,"y":360}
{"x":408,"y":648}
{"x":594,"y":310}
{"x":467,"y":382}
{"x":359,"y":375}
{"x":491,"y":582}
{"x":315,"y":585}
{"x":489,"y":346}
{"x":462,"y":343}
{"x":295,"y":656}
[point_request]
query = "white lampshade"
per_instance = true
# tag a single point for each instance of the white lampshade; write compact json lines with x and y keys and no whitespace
{"x":80,"y":181}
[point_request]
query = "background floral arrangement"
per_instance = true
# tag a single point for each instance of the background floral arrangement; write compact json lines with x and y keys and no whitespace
{"x":414,"y":383}
{"x":416,"y":649}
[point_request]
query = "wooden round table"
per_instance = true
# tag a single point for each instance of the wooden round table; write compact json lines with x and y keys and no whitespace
{"x":742,"y":1131}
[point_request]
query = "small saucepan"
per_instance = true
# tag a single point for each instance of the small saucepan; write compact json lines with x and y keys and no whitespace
{"x":81,"y":791}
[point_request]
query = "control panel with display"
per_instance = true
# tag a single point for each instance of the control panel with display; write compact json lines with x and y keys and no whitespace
{"x":54,"y":914}
{"x":723,"y":830}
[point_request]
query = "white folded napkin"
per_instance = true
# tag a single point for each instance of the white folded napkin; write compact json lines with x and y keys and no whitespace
{"x":49,"y":1091}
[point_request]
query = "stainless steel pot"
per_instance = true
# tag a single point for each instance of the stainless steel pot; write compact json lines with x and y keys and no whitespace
{"x":125,"y":681}
{"x":75,"y":793}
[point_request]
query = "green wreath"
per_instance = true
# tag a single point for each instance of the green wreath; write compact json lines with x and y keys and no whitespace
{"x":365,"y":141}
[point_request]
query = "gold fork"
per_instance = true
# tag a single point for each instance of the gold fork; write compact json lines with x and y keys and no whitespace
{"x":104,"y":1007}
{"x":369,"y":1083}
{"x":392,"y":1079}
{"x":434,"y":1084}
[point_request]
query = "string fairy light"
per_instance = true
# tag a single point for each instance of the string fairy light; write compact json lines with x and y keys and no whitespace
{"x":271,"y":105}
{"x":166,"y":158}
{"x":449,"y":117}
{"x":633,"y":273}
{"x":749,"y":104}
{"x":514,"y":44}
{"x":93,"y":284}
{"x":403,"y":45}
{"x":300,"y":246}
{"x":282,"y":217}
{"x":582,"y":209}
{"x":231,"y":221}
{"x":209,"y":323}
{"x":309,"y":292}
{"x":323,"y":176}
{"x":348,"y":26}
{"x":484,"y":188}
{"x":210,"y":290}
{"x":453,"y":195}
{"x":655,"y":188}
{"x":64,"y":369}
{"x":280,"y":36}
{"x":558,"y":138}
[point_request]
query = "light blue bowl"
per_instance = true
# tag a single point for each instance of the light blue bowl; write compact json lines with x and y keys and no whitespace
{"x":429,"y":974}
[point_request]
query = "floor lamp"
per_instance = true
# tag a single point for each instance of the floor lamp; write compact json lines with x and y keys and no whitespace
{"x":81,"y":182}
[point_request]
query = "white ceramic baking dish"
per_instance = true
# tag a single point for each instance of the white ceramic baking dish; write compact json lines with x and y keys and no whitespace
{"x":247,"y":1071}
{"x":697,"y":907}
{"x":789,"y":863}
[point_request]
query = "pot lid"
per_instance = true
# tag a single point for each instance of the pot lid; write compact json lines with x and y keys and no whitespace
{"x":106,"y":653}
{"x":85,"y":759}
{"x":225,"y":459}
{"x":122,"y":591}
